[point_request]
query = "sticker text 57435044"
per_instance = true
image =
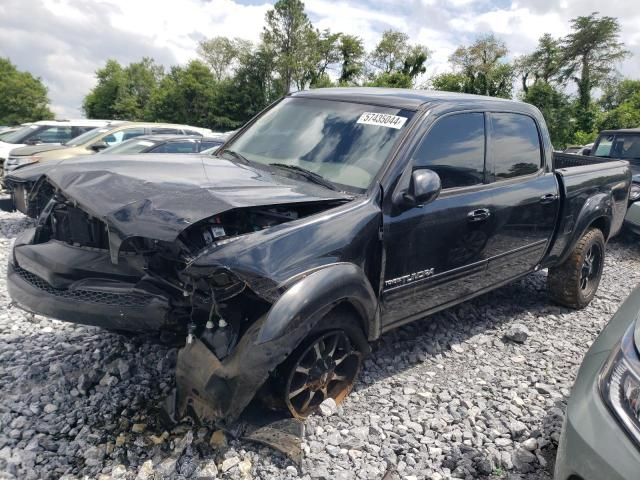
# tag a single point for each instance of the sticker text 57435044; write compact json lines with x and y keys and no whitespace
{"x":382,"y":120}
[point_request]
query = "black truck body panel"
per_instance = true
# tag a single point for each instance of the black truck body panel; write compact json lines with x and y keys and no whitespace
{"x":292,"y":251}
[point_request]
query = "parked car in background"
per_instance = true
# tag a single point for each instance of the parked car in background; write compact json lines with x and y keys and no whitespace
{"x":5,"y":132}
{"x":334,"y":216}
{"x":18,"y":183}
{"x":166,"y":144}
{"x":601,"y":433}
{"x":95,"y":141}
{"x":624,"y":144}
{"x":47,"y":132}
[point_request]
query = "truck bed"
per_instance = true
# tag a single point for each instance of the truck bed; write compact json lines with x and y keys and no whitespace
{"x":585,"y":179}
{"x":568,"y":160}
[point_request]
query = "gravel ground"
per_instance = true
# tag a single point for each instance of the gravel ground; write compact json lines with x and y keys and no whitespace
{"x":446,"y":397}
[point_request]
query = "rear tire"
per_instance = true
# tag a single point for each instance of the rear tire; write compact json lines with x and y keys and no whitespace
{"x":575,"y":282}
{"x":325,"y":365}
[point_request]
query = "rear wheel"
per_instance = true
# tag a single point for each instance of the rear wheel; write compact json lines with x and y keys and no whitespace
{"x":575,"y":282}
{"x":325,"y":365}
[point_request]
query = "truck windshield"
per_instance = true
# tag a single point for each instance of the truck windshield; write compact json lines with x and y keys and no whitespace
{"x":345,"y":143}
{"x":619,"y":145}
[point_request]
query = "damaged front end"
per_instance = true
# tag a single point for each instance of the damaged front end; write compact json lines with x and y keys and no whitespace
{"x":75,"y":266}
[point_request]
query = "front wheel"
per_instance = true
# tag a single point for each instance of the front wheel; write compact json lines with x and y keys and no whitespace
{"x":325,"y":365}
{"x":575,"y":282}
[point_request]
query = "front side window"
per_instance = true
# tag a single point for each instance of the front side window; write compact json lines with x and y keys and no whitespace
{"x":454,"y":149}
{"x":515,"y":145}
{"x":346,"y":143}
{"x":176,"y":147}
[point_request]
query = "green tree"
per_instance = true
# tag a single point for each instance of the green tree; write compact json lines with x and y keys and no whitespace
{"x":589,"y":56}
{"x":449,"y":82}
{"x":123,"y":92}
{"x":352,"y":53}
{"x":616,"y":92}
{"x":543,"y":64}
{"x":556,"y":108}
{"x":249,"y":91}
{"x":395,"y":62}
{"x":185,"y":95}
{"x":323,"y":50}
{"x":23,"y":97}
{"x":287,"y":33}
{"x":222,"y":54}
{"x":483,"y":66}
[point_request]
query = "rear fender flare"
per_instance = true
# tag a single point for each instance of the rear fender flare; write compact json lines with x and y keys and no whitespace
{"x":309,"y":299}
{"x":597,"y":207}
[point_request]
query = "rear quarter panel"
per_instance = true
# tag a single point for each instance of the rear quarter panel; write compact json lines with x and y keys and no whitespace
{"x":594,"y":193}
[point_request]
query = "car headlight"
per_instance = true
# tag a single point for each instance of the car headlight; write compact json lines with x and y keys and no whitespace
{"x":14,"y":162}
{"x":634,"y":192}
{"x":620,"y":384}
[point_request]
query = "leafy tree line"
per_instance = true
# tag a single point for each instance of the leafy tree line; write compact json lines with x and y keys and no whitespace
{"x":573,"y":79}
{"x":234,"y":79}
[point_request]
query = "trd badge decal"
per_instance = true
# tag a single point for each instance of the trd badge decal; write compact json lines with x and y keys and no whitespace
{"x":412,"y":277}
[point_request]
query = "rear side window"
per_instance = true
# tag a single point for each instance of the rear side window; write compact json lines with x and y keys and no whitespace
{"x":160,"y":130}
{"x":515,"y":145}
{"x":454,"y":149}
{"x":176,"y":147}
{"x":122,"y":135}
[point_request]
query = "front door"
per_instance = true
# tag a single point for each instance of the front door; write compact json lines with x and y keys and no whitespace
{"x":437,"y":253}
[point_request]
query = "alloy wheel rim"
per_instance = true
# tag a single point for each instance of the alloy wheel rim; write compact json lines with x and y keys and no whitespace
{"x":590,"y":268}
{"x":326,"y":369}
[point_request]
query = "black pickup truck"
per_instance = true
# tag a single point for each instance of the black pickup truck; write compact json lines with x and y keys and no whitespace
{"x":332,"y":217}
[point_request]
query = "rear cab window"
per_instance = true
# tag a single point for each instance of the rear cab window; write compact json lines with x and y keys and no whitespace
{"x":514,"y":146}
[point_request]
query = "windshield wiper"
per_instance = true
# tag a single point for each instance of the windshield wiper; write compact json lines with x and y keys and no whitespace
{"x":308,"y":174}
{"x":238,"y":156}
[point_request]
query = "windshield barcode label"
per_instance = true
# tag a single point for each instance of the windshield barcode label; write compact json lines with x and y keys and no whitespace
{"x":382,"y":120}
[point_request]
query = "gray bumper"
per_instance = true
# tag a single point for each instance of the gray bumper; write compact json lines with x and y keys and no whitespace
{"x":593,"y":446}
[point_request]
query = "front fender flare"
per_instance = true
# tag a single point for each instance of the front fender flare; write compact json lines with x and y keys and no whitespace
{"x":308,"y":299}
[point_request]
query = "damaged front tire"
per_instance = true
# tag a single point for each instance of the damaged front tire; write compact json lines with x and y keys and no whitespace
{"x":324,"y":366}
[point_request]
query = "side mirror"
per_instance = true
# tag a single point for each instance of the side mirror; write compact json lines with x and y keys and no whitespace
{"x":96,"y":147}
{"x":424,"y":187}
{"x":32,"y":141}
{"x":586,"y":151}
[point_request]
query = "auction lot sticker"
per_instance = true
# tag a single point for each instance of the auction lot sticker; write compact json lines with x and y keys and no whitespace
{"x":382,"y":120}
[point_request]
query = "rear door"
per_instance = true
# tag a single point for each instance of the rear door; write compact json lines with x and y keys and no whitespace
{"x":525,"y":199}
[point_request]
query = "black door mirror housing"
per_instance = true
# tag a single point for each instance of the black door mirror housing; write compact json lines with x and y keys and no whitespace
{"x":424,"y":187}
{"x":586,"y":151}
{"x":96,"y":147}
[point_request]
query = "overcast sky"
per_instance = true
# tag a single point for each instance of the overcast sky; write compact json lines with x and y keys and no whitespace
{"x":65,"y":41}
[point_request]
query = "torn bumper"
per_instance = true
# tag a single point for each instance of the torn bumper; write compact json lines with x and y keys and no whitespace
{"x":40,"y":280}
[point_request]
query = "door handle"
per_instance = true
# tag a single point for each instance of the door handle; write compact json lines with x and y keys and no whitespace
{"x":548,"y":198}
{"x":478,"y":215}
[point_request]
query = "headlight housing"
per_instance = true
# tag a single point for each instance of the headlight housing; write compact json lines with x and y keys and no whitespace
{"x":14,"y":162}
{"x":634,"y":192}
{"x":620,"y":384}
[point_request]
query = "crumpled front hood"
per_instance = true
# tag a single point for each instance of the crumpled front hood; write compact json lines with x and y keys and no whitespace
{"x":158,"y":196}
